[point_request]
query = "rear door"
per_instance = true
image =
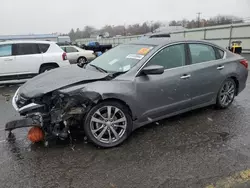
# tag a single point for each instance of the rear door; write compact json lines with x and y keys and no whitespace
{"x":72,"y":54}
{"x":7,"y":60}
{"x":206,"y":72}
{"x":28,"y":58}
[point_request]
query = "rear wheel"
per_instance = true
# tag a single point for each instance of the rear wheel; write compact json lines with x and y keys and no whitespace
{"x":108,"y":124}
{"x":46,"y":68}
{"x":82,"y":60}
{"x":226,"y":94}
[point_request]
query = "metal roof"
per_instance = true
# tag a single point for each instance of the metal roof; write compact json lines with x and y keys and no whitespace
{"x":169,"y":29}
{"x":35,"y":36}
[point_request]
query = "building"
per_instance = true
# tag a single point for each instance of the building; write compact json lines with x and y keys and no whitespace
{"x":169,"y":29}
{"x":47,"y":37}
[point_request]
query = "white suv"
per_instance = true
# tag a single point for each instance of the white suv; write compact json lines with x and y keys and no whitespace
{"x":21,"y":60}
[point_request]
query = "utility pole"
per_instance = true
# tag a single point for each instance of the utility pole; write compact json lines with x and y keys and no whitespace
{"x":125,"y":29}
{"x":199,"y":17}
{"x":152,"y":29}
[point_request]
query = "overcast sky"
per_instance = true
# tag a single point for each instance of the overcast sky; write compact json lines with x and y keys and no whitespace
{"x":47,"y":16}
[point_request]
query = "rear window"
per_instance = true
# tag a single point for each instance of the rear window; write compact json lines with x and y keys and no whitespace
{"x":44,"y":47}
{"x":27,"y":49}
{"x":71,"y":49}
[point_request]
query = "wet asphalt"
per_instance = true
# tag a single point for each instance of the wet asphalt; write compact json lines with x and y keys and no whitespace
{"x":192,"y":150}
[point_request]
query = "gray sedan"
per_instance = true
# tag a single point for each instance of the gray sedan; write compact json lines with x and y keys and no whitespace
{"x":129,"y":86}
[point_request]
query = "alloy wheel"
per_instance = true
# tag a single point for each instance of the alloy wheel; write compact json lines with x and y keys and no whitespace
{"x":227,"y":93}
{"x":81,"y":61}
{"x":108,"y":124}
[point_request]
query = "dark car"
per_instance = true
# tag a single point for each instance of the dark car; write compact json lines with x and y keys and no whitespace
{"x":130,"y":86}
{"x":97,"y":47}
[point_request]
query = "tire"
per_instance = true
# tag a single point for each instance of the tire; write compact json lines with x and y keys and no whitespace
{"x":47,"y":68}
{"x":81,"y":60}
{"x":226,"y":94}
{"x":106,"y":127}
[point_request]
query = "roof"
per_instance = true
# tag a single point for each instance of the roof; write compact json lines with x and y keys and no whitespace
{"x":63,"y":37}
{"x":70,"y":45}
{"x":165,"y":41}
{"x":154,"y":41}
{"x":26,"y":41}
{"x":35,"y":36}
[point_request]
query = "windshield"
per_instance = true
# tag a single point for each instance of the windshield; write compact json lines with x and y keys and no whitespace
{"x":121,"y":58}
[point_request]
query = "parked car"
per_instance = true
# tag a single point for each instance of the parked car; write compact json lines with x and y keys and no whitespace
{"x":97,"y":47}
{"x":78,"y":55}
{"x":21,"y":60}
{"x":130,"y":86}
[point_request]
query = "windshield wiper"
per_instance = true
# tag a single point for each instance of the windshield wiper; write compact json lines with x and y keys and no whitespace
{"x":98,"y":68}
{"x":115,"y":74}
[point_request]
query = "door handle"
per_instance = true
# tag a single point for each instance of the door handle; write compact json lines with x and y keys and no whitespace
{"x":8,"y":59}
{"x":186,"y":76}
{"x":220,"y":67}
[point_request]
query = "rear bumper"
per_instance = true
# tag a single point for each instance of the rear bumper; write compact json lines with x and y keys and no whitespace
{"x":64,"y":63}
{"x":243,"y":81}
{"x":91,"y":58}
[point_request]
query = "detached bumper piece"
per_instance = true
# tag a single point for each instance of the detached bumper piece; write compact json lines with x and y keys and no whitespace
{"x":20,"y":123}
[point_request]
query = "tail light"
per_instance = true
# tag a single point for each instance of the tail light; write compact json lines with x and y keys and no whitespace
{"x":244,"y":63}
{"x":64,"y":56}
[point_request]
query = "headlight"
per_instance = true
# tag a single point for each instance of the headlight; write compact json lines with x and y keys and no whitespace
{"x":15,"y":98}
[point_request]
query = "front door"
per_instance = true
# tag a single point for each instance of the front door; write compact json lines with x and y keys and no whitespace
{"x":168,"y":93}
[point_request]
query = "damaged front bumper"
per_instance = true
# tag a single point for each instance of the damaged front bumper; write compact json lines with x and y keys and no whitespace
{"x":25,"y":108}
{"x":21,"y":123}
{"x":30,"y":120}
{"x":62,"y":109}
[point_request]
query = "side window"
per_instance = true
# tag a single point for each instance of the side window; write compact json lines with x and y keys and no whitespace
{"x":71,"y":49}
{"x":63,"y":48}
{"x":221,"y":53}
{"x":170,"y":57}
{"x":44,"y":47}
{"x":5,"y":50}
{"x":27,"y":49}
{"x":201,"y":53}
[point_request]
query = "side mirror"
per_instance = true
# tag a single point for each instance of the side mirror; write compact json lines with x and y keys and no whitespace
{"x":153,"y":69}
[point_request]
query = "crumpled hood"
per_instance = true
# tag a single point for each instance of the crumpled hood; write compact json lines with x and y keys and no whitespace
{"x":58,"y":78}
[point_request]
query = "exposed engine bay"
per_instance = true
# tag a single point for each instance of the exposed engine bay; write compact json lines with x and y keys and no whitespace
{"x":56,"y":112}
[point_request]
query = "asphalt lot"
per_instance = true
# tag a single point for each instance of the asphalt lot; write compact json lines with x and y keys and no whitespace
{"x":192,"y":150}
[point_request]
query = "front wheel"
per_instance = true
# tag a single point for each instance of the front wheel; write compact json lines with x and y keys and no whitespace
{"x":226,"y":94}
{"x":108,"y":124}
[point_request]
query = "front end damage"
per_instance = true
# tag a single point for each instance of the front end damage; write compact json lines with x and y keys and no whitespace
{"x":56,"y":112}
